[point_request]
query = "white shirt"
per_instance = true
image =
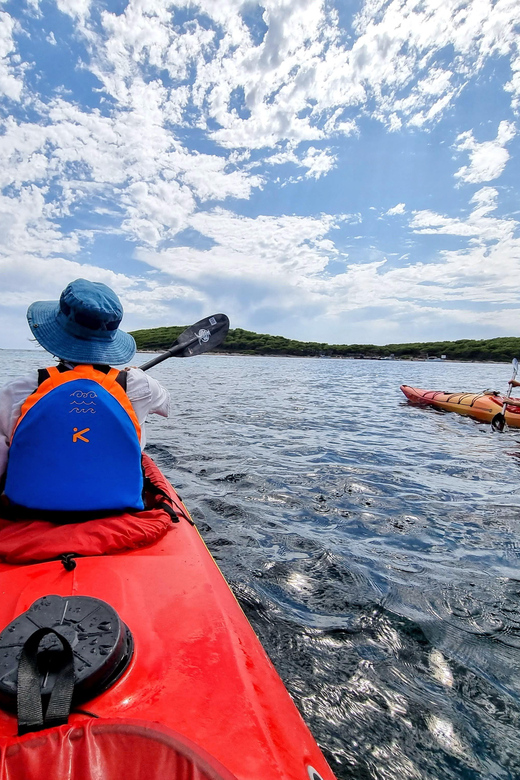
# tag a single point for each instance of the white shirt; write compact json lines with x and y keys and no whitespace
{"x":146,"y":395}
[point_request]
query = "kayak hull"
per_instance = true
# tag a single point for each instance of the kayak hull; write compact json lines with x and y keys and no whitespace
{"x":480,"y":406}
{"x":198,"y":668}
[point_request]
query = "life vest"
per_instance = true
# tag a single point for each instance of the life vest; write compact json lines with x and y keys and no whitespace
{"x":76,"y":445}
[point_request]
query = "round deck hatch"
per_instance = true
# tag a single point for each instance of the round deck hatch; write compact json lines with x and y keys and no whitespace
{"x":102,"y":645}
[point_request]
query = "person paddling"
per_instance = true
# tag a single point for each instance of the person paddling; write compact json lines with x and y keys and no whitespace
{"x":71,"y":435}
{"x":510,"y":400}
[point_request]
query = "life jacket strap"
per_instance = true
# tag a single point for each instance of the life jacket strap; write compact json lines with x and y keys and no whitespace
{"x":43,"y":373}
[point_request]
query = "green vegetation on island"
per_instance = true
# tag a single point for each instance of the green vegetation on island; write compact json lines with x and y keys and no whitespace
{"x":247,"y":342}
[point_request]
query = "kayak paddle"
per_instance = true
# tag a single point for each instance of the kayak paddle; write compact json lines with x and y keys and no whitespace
{"x":499,"y":420}
{"x":201,"y":337}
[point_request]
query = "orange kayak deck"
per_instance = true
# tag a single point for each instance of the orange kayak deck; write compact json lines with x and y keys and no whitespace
{"x":480,"y":406}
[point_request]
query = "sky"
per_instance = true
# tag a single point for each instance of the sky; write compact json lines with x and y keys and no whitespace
{"x":345,"y":172}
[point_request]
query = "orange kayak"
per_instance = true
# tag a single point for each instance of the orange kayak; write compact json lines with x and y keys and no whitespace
{"x":480,"y":406}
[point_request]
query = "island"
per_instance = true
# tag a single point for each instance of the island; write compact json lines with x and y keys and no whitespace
{"x":246,"y":342}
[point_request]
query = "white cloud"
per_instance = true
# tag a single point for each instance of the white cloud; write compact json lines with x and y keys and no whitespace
{"x":485,"y":200}
{"x":207,"y":176}
{"x":75,"y":8}
{"x":286,"y":248}
{"x":478,"y":226}
{"x":481,"y":274}
{"x":156,"y":209}
{"x":281,"y":158}
{"x":513,"y":85}
{"x":27,"y":228}
{"x":487,"y":159}
{"x":318,"y":162}
{"x":11,"y":78}
{"x":400,"y":208}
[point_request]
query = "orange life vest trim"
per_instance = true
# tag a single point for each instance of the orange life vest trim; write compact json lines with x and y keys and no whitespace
{"x":56,"y":378}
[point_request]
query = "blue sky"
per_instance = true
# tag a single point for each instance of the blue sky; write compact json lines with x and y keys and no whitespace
{"x":341,"y":172}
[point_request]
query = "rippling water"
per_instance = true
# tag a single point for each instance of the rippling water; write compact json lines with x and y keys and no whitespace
{"x":373,"y":545}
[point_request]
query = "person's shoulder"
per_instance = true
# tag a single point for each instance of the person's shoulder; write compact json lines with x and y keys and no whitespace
{"x":20,"y":383}
{"x":137,"y":378}
{"x":138,"y":373}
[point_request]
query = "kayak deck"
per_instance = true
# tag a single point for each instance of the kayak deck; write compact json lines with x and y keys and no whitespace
{"x":480,"y":406}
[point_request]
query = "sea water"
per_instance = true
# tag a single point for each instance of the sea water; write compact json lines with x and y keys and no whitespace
{"x":373,"y":545}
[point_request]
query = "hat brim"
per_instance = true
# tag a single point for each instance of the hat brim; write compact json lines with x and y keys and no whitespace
{"x":42,"y":317}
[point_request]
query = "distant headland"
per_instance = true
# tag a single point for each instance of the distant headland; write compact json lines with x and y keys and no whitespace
{"x":246,"y":342}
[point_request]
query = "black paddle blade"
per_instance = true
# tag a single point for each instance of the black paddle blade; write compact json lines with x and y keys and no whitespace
{"x":498,"y":422}
{"x":201,"y":337}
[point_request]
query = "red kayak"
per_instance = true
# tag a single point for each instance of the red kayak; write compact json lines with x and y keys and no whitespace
{"x":124,"y":654}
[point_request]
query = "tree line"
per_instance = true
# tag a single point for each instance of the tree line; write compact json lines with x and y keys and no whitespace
{"x":249,"y":343}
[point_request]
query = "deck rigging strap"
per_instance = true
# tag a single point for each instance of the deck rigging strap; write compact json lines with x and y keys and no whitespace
{"x":175,"y":513}
{"x":31,"y":716}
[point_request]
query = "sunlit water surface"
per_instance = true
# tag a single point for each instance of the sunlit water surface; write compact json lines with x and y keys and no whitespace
{"x":373,"y":545}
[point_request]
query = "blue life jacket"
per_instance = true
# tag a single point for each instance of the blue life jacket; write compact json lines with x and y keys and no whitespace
{"x":76,"y":445}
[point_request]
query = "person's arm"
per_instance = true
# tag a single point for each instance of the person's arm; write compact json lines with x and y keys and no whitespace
{"x":147,"y":396}
{"x":509,"y":400}
{"x":12,"y":396}
{"x":4,"y":430}
{"x":159,"y":397}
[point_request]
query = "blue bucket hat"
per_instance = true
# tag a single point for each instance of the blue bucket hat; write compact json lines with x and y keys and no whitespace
{"x":83,"y":325}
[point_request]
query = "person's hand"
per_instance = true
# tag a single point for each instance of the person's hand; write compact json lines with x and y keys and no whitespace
{"x":514,"y":383}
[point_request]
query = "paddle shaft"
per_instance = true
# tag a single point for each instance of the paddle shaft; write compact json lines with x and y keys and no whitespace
{"x":499,"y":420}
{"x":508,"y":394}
{"x":168,"y":354}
